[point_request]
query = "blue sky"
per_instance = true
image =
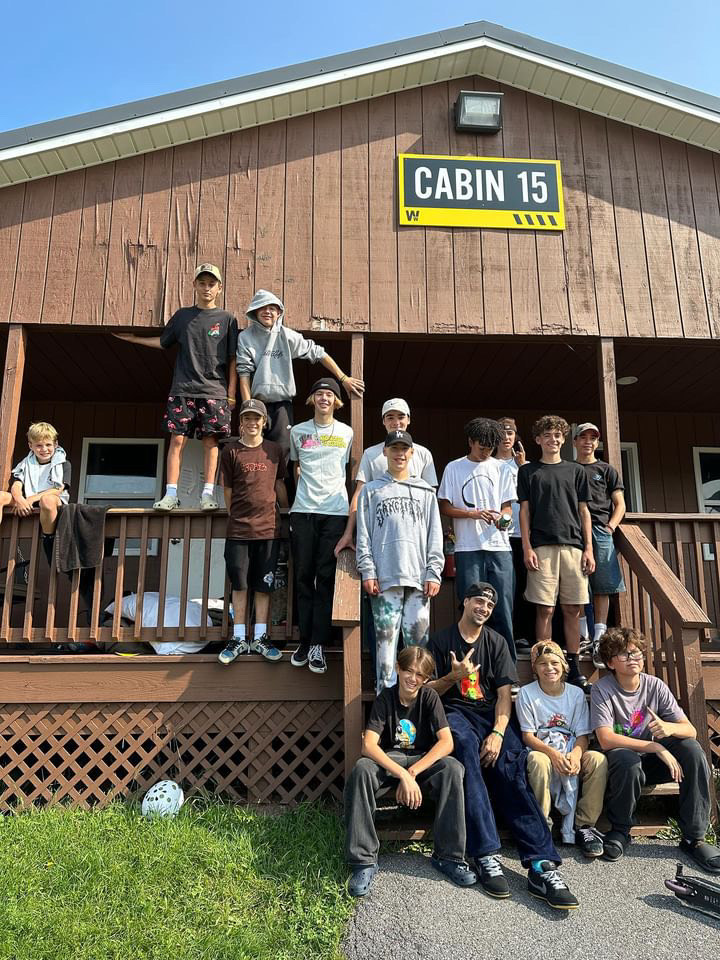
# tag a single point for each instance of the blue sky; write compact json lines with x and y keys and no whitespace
{"x":82,"y":54}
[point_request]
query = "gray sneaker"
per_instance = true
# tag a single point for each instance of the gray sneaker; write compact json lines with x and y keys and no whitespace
{"x":596,"y":658}
{"x":208,"y":503}
{"x":266,"y":649}
{"x":167,"y":503}
{"x":234,"y":647}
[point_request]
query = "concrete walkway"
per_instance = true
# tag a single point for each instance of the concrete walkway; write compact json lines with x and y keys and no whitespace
{"x":412,"y":913}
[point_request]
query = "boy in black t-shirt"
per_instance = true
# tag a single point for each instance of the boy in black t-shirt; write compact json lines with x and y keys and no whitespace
{"x":407,"y":738}
{"x":557,"y":539}
{"x":204,"y":383}
{"x":607,"y":508}
{"x":474,"y":676}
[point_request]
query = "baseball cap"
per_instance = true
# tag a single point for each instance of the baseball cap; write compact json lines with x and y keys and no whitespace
{"x":254,"y":406}
{"x":398,"y":436}
{"x":582,"y":427}
{"x":208,"y":268}
{"x":481,"y":589}
{"x":549,"y":647}
{"x":326,"y":383}
{"x":396,"y":404}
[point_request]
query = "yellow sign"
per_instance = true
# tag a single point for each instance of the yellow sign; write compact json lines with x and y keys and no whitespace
{"x":440,"y":191}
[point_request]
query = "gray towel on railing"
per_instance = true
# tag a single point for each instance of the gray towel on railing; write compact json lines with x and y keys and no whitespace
{"x":80,"y":537}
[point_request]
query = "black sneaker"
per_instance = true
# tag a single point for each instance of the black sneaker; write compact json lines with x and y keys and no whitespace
{"x":547,"y":884}
{"x":580,"y":681}
{"x":300,"y":657}
{"x":316,"y":659}
{"x":614,"y":845}
{"x":590,"y":842}
{"x":491,"y":877}
{"x":522,"y":645}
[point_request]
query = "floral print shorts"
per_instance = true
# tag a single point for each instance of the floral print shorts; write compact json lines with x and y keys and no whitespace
{"x":197,"y":416}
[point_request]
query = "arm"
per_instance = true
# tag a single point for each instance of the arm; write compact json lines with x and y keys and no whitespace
{"x":462,"y":513}
{"x":682,"y":729}
{"x":490,"y":750}
{"x":346,"y":540}
{"x":531,"y":560}
{"x":142,"y":341}
{"x":588,"y":561}
{"x":459,"y":669}
{"x":435,"y":559}
{"x":351,"y":384}
{"x":618,"y":502}
{"x":281,"y":493}
{"x":364,"y":559}
{"x":244,"y":387}
{"x":21,"y":506}
{"x":443,"y":748}
{"x":232,"y":384}
{"x":408,"y":792}
{"x":560,"y":761}
{"x":227,"y":492}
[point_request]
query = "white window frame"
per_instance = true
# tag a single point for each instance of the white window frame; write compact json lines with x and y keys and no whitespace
{"x":629,"y":447}
{"x":130,"y":551}
{"x":698,"y":477}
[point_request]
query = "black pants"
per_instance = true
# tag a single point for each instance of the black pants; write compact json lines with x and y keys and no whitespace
{"x":368,"y":781}
{"x":523,"y":612}
{"x":628,"y":772}
{"x":313,"y":537}
{"x":280,"y":414}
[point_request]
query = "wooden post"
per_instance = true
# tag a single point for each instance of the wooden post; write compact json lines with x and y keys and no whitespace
{"x":352,"y":695}
{"x":10,"y":401}
{"x":357,"y":358}
{"x":609,"y":414}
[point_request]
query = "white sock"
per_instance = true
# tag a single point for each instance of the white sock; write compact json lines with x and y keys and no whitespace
{"x":208,"y":490}
{"x":600,"y":629}
{"x":170,"y":489}
{"x":260,"y":629}
{"x":239,"y":631}
{"x":582,"y":622}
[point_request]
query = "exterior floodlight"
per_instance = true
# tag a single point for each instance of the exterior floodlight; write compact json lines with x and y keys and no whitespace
{"x":626,"y":381}
{"x":478,"y":112}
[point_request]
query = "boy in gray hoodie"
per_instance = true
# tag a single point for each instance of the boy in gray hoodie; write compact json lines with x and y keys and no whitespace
{"x":265,"y":352}
{"x":399,"y":554}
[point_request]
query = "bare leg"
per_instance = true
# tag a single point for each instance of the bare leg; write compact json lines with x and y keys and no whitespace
{"x":5,"y":500}
{"x":239,"y":602}
{"x":48,"y":511}
{"x":543,"y":622}
{"x":571,"y":622}
{"x":210,"y":450}
{"x":262,"y":607}
{"x":174,"y":457}
{"x":601,"y":606}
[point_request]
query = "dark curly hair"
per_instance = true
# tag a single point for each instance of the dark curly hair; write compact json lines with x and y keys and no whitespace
{"x":550,"y":422}
{"x":617,"y":640}
{"x":487,"y":433}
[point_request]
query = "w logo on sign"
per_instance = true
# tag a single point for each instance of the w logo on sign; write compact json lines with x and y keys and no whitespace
{"x":412,"y":215}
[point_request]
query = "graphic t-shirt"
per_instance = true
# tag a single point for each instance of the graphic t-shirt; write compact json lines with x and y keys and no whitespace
{"x":557,"y":721}
{"x":251,"y":473}
{"x":627,"y":712}
{"x":373,"y":464}
{"x":554,"y":492}
{"x":603,"y":480}
{"x":323,"y":453}
{"x":207,"y":340}
{"x":470,"y":485}
{"x":491,"y":655}
{"x":413,"y":728}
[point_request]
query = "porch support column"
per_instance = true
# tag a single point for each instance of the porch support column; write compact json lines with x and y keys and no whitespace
{"x":10,"y":400}
{"x":609,"y":414}
{"x":357,"y":359}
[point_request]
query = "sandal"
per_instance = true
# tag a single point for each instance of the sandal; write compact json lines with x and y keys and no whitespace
{"x":615,"y":843}
{"x":705,"y":855}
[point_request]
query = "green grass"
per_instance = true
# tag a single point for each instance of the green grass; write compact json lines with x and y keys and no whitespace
{"x":217,"y":883}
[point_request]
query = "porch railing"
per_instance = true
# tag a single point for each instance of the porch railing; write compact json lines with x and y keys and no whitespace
{"x":144,"y":551}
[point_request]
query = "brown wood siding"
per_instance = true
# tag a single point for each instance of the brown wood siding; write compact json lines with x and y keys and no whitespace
{"x":307,"y":208}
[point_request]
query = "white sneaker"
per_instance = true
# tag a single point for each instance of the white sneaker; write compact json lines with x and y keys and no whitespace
{"x":596,"y":658}
{"x":208,"y":502}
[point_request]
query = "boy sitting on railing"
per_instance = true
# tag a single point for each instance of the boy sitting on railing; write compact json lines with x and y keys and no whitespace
{"x":648,"y":739}
{"x":41,"y":479}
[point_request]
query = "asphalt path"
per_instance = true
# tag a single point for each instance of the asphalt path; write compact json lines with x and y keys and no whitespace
{"x":413,"y":913}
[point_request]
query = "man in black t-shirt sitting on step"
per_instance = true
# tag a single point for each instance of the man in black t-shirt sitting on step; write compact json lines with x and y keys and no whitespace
{"x":474,"y":676}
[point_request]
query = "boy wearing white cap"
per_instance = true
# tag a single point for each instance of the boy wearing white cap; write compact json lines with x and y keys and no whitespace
{"x":204,"y":383}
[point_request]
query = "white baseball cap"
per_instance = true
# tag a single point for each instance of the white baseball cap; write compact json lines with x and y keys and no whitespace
{"x":583,"y":427}
{"x":396,"y":404}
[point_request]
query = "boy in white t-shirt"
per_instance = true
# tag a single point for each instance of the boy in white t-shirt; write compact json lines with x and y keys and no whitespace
{"x":555,"y":723}
{"x":477,"y":492}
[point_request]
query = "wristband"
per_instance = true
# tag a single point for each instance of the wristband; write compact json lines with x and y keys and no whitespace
{"x":498,"y":733}
{"x":343,"y":378}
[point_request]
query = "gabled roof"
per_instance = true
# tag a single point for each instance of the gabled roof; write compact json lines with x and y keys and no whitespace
{"x":479,"y":48}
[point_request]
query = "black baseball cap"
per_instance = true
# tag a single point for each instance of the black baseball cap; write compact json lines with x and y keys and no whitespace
{"x":486,"y":590}
{"x":254,"y":406}
{"x":326,"y":383}
{"x":398,"y":436}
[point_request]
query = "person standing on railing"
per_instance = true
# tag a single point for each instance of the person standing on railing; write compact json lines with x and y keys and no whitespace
{"x":607,"y":508}
{"x":204,"y":382}
{"x":648,"y":739}
{"x":399,"y":554}
{"x":252,"y":472}
{"x":320,"y":448}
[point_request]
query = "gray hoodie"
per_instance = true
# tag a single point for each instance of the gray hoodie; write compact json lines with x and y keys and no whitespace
{"x":266,"y":355}
{"x":399,"y":534}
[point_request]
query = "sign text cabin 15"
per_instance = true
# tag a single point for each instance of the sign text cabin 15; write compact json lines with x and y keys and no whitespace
{"x":439,"y":191}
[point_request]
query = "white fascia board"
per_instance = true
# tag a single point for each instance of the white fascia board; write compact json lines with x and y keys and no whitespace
{"x":192,"y":113}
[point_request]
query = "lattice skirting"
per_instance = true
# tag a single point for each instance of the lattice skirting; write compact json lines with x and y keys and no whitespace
{"x":88,"y":754}
{"x":713,"y":712}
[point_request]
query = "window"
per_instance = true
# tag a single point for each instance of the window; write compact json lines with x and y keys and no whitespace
{"x":707,"y":478}
{"x":630,"y":472}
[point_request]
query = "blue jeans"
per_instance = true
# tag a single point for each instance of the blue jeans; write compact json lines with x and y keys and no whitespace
{"x":505,"y":785}
{"x":608,"y":578}
{"x":496,"y":568}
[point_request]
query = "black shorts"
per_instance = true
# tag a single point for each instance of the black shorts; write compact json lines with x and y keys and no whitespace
{"x":198,"y":416}
{"x":252,"y":563}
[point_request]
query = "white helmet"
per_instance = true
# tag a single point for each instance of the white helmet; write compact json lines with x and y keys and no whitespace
{"x":163,"y":799}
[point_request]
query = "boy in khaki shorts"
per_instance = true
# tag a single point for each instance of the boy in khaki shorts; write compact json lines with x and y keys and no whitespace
{"x":557,"y":538}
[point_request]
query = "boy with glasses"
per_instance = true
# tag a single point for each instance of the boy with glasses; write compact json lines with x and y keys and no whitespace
{"x":648,"y":739}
